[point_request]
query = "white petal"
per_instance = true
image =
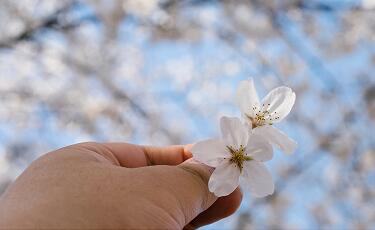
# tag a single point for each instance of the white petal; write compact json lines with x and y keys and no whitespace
{"x":224,"y":180}
{"x":247,"y":97}
{"x":281,"y":101}
{"x":210,"y":152}
{"x":234,"y":132}
{"x":257,"y":179}
{"x":277,"y":137}
{"x":259,"y":148}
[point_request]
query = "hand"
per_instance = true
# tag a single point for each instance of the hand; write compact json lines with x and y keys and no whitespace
{"x":112,"y":186}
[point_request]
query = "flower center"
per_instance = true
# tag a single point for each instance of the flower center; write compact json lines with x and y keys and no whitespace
{"x":262,"y":116}
{"x":238,"y":156}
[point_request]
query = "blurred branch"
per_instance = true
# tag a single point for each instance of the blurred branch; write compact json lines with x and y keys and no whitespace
{"x":53,"y":21}
{"x":324,"y":6}
{"x":56,"y":21}
{"x":167,"y":4}
{"x":120,"y":95}
{"x":279,"y":22}
{"x":266,"y":66}
{"x":49,"y":22}
{"x":314,"y":63}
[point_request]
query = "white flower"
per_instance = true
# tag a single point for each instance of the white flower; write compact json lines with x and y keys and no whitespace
{"x":238,"y":156}
{"x":262,"y":115}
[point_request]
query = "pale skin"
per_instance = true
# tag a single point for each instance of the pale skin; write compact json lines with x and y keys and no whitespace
{"x":114,"y":186}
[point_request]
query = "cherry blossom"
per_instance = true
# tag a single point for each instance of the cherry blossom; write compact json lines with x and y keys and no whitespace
{"x":261,"y":115}
{"x":238,"y":159}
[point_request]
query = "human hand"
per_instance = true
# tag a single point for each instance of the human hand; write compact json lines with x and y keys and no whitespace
{"x":113,"y":186}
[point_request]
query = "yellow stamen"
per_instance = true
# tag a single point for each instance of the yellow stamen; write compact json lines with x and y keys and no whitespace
{"x":262,"y":116}
{"x":238,"y":156}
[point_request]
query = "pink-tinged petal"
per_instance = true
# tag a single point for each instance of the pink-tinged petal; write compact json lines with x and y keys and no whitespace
{"x":259,"y":148}
{"x":247,"y":97}
{"x":277,"y":138}
{"x":257,"y":179}
{"x":279,"y":102}
{"x":234,"y":132}
{"x":210,"y":152}
{"x":224,"y":180}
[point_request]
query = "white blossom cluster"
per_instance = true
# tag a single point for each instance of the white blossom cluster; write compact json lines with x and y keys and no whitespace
{"x":240,"y":154}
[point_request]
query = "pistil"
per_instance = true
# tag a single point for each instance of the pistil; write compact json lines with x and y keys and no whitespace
{"x":262,"y":116}
{"x":238,"y":156}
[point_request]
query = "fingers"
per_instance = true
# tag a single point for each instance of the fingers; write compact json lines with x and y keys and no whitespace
{"x":134,"y":156}
{"x":186,"y":183}
{"x":223,"y":207}
{"x":127,"y":155}
{"x":181,"y":190}
{"x":170,"y":155}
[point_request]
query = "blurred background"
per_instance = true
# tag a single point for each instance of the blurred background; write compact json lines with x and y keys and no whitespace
{"x":162,"y":72}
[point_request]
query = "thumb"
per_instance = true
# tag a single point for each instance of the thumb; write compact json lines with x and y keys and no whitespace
{"x":181,"y":191}
{"x":196,"y":179}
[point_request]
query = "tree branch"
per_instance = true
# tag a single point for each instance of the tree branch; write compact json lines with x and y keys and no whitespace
{"x":53,"y":21}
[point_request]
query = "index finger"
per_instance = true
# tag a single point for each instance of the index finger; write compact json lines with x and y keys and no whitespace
{"x":133,"y":156}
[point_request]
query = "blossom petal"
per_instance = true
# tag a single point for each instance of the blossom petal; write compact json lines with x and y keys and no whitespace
{"x":277,"y":137}
{"x":234,"y":132}
{"x":224,"y":180}
{"x":210,"y":152}
{"x":259,"y":148}
{"x":279,"y":102}
{"x":257,"y":179}
{"x":247,"y":97}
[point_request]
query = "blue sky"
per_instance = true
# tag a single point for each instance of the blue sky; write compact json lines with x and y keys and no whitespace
{"x":174,"y":101}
